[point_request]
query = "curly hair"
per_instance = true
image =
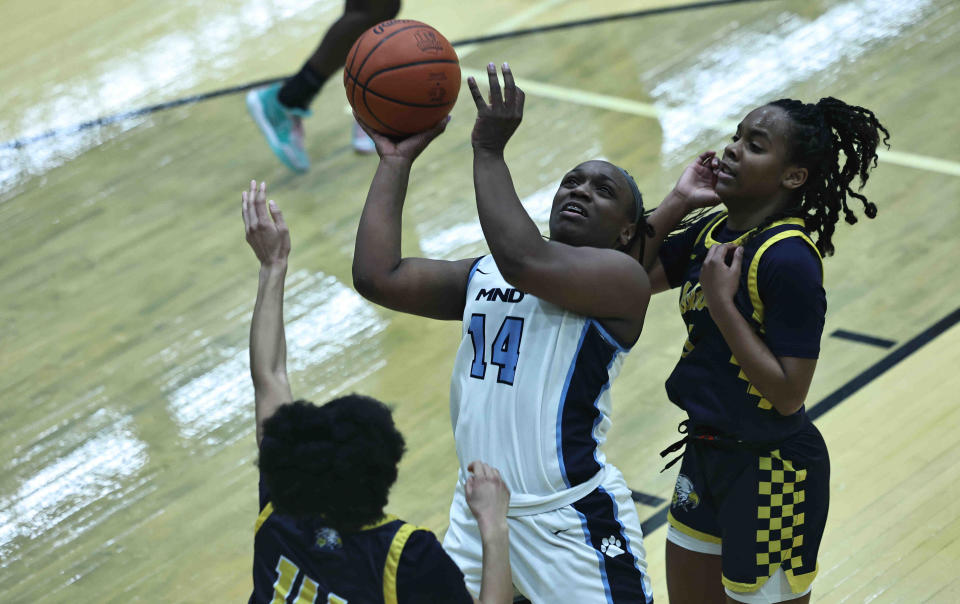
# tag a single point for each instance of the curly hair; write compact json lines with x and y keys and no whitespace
{"x":818,"y":133}
{"x":336,"y":462}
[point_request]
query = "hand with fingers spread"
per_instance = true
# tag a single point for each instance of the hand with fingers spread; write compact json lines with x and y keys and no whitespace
{"x":267,"y":233}
{"x":697,"y":184}
{"x":497,"y":121}
{"x":407,"y":148}
{"x":719,"y":279}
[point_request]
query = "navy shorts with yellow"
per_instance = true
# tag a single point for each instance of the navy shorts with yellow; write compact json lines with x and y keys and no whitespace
{"x":767,"y":507}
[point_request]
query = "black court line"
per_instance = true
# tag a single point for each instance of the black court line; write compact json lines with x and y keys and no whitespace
{"x":19,"y":143}
{"x":646,"y":498}
{"x":654,"y":522}
{"x":863,"y":338}
{"x":659,"y":518}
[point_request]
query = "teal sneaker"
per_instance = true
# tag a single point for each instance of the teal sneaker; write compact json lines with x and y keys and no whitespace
{"x":282,"y":126}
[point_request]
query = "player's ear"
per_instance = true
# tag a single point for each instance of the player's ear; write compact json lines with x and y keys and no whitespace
{"x":626,"y":235}
{"x":794,"y":177}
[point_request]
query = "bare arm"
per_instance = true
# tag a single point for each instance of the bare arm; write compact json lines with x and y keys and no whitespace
{"x":694,"y":189}
{"x":270,"y":240}
{"x":419,"y":286}
{"x":784,"y":381}
{"x":609,"y":284}
{"x":489,"y":498}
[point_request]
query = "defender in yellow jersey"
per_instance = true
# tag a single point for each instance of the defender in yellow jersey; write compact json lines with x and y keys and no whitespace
{"x":752,"y":494}
{"x":325,"y":474}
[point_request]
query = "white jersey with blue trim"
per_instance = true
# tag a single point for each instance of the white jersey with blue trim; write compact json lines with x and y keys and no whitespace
{"x":530,"y":392}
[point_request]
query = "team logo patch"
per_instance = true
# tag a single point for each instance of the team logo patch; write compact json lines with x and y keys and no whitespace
{"x":328,"y":539}
{"x":684,"y":495}
{"x":610,"y":546}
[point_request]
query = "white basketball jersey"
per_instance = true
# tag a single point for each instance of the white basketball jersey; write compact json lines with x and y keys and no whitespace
{"x":530,"y":393}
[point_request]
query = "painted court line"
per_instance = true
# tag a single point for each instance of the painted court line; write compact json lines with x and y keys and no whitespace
{"x":863,"y":338}
{"x":639,"y":108}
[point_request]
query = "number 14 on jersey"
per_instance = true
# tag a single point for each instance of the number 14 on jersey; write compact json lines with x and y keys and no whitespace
{"x":504,"y":352}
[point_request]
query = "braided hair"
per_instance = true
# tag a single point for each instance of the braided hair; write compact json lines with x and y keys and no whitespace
{"x":818,"y":133}
{"x":644,"y":229}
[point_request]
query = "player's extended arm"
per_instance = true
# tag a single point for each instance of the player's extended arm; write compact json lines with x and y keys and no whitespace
{"x":489,"y":499}
{"x":267,"y":234}
{"x":601,"y":283}
{"x":419,"y":286}
{"x":784,"y":381}
{"x":694,"y":189}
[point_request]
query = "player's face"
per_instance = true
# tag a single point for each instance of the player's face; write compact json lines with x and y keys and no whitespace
{"x":755,"y":163}
{"x":594,"y":206}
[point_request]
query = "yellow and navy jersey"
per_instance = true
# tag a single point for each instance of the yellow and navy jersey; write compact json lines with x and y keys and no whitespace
{"x":781,"y":296}
{"x":301,"y":561}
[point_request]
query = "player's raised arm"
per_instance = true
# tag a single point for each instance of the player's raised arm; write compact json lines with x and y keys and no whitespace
{"x":594,"y":218}
{"x":267,"y":234}
{"x":694,"y":190}
{"x":419,"y":286}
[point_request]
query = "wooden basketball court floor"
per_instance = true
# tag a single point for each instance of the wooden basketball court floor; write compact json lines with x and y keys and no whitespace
{"x":126,"y":287}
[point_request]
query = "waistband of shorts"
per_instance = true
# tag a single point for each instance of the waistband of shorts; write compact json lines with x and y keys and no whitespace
{"x":710,"y":436}
{"x":525,"y":504}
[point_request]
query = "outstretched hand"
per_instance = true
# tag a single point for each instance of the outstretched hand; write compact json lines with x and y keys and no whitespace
{"x":267,"y":234}
{"x":497,"y":121}
{"x":697,"y":184}
{"x":406,"y":148}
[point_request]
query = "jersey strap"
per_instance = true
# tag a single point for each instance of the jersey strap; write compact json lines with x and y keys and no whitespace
{"x":752,"y":274}
{"x":267,"y":510}
{"x":709,"y":227}
{"x":393,"y":561}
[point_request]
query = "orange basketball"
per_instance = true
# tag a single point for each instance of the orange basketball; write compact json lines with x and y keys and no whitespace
{"x":402,"y":77}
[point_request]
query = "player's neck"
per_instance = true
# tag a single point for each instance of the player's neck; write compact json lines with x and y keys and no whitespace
{"x":750,"y":214}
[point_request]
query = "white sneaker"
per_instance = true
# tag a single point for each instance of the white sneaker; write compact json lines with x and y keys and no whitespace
{"x":362,"y":143}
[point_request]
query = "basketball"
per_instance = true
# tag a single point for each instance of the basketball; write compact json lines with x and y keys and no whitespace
{"x":402,"y":77}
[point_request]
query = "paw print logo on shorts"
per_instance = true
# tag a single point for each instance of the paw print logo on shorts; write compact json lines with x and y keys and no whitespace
{"x":610,"y":546}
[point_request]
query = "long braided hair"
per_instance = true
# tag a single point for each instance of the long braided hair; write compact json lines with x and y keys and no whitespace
{"x":819,"y":132}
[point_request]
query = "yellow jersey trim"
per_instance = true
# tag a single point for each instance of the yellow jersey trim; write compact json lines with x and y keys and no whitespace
{"x":264,"y":514}
{"x":800,"y":583}
{"x":387,"y":518}
{"x":692,"y":532}
{"x":708,"y":230}
{"x":268,"y":509}
{"x":709,"y":241}
{"x":744,"y":587}
{"x":393,"y":561}
{"x":753,"y":274}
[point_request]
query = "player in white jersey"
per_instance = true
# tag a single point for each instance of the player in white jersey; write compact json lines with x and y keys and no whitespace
{"x":546,"y":324}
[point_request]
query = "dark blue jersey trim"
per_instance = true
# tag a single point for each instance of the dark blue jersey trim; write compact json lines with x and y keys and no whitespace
{"x":609,"y":337}
{"x":473,"y":269}
{"x":563,"y":400}
{"x":578,"y":412}
{"x":623,"y":581}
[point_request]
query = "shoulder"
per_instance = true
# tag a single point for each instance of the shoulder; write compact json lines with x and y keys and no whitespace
{"x":793,"y":257}
{"x":426,"y":573}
